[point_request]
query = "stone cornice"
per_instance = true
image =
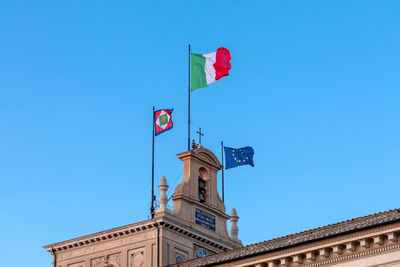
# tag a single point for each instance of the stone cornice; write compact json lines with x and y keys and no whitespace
{"x":195,"y":202}
{"x":194,"y":234}
{"x":326,"y":253}
{"x":298,"y":240}
{"x":203,"y":155}
{"x":103,"y":235}
{"x":356,"y":255}
{"x":330,"y":242}
{"x":132,"y":229}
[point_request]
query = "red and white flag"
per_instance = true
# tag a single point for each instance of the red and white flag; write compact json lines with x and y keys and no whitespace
{"x":162,"y":121}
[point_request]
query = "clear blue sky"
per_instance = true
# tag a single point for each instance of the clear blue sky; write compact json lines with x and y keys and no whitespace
{"x":314,"y":88}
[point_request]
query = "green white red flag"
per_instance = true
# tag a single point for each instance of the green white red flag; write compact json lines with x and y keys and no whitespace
{"x":162,"y":121}
{"x":208,"y":68}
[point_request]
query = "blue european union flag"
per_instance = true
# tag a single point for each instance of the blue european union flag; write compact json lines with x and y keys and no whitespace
{"x":238,"y":157}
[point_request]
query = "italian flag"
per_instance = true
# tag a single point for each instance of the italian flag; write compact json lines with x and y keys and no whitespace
{"x":208,"y":68}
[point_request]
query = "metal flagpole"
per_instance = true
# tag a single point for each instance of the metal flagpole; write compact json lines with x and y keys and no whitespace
{"x":152,"y":172}
{"x":222,"y":152}
{"x":189,"y":104}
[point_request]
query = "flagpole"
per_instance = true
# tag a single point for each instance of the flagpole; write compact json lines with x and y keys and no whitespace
{"x":152,"y":172}
{"x":222,"y":153}
{"x":189,"y":104}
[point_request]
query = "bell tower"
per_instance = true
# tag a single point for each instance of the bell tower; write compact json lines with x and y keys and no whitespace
{"x":197,"y":201}
{"x":195,"y":227}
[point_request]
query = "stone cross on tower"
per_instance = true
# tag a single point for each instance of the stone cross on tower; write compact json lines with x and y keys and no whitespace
{"x":200,"y":135}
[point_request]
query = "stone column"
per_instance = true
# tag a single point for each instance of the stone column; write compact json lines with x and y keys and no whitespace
{"x":163,"y":187}
{"x":234,"y":227}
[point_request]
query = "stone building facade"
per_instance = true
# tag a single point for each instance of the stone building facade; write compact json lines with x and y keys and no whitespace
{"x":195,"y":227}
{"x":369,"y":241}
{"x":194,"y":233}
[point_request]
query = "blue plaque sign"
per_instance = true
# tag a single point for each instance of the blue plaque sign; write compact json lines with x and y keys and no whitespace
{"x":205,"y":219}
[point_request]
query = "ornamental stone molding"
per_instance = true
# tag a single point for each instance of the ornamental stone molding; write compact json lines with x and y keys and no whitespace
{"x":328,"y":255}
{"x":131,"y":230}
{"x":377,"y":233}
{"x":136,"y":257}
{"x":107,"y":261}
{"x":323,"y":256}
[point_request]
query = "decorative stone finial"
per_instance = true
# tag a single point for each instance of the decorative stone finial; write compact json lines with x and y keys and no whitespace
{"x":234,"y":227}
{"x":234,"y":212}
{"x":163,"y":187}
{"x":163,"y":180}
